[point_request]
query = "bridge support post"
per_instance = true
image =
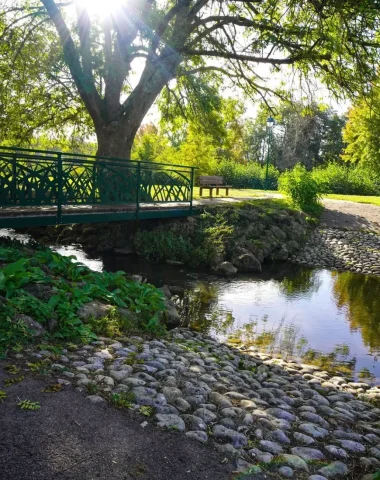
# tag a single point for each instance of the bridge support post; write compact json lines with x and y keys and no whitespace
{"x":138,"y":190}
{"x":60,"y":189}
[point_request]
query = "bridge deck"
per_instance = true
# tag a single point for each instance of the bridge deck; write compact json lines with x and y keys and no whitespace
{"x":46,"y":188}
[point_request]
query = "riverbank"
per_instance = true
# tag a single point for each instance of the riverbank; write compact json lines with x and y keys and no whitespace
{"x":341,"y":249}
{"x":225,"y":240}
{"x":44,"y":295}
{"x":266,"y":415}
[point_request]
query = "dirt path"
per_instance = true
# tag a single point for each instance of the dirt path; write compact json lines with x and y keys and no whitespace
{"x":344,"y":214}
{"x":70,"y":438}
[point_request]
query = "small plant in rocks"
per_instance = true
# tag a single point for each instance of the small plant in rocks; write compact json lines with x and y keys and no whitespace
{"x":29,"y":405}
{"x":3,"y":396}
{"x":123,"y":400}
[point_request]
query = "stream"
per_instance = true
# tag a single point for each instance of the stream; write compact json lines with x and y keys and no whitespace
{"x":323,"y":317}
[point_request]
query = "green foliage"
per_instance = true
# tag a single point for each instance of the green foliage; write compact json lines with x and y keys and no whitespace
{"x":362,"y":131}
{"x":40,"y":366}
{"x":71,"y":285}
{"x":247,"y":175}
{"x":3,"y":396}
{"x":123,"y":399}
{"x":199,"y":247}
{"x":57,"y":387}
{"x":10,"y":381}
{"x":146,"y":411}
{"x":12,"y":369}
{"x":28,"y":405}
{"x":341,"y":179}
{"x":156,"y":246}
{"x":303,"y":190}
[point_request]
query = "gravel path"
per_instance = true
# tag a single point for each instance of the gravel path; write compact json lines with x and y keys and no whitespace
{"x":343,"y":214}
{"x":271,"y":416}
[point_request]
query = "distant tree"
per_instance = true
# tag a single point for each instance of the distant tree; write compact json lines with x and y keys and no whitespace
{"x":306,"y":134}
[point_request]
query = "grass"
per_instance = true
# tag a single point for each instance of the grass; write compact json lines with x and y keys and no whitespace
{"x":355,"y":198}
{"x":233,"y":193}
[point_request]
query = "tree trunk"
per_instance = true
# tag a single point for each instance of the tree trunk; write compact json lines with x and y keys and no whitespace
{"x":116,"y":139}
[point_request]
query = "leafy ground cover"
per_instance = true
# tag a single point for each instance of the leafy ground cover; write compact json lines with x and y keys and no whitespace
{"x":42,"y":292}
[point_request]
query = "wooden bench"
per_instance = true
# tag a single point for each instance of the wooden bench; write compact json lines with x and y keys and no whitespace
{"x":213,"y":182}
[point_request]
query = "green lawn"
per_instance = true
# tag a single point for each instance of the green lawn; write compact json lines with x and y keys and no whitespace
{"x":234,"y":193}
{"x":355,"y":198}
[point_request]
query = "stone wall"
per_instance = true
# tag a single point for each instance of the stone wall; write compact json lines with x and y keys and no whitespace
{"x":259,"y":233}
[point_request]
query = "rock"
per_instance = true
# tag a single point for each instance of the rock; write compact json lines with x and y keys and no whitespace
{"x":220,"y":400}
{"x":245,"y":261}
{"x":286,"y":472}
{"x":94,"y":310}
{"x":121,"y":375}
{"x":313,"y":430}
{"x":95,"y":399}
{"x":206,"y":415}
{"x":317,"y":477}
{"x":225,"y":269}
{"x":238,"y":440}
{"x":295,"y":462}
{"x":182,"y":405}
{"x":198,"y":436}
{"x":36,"y":329}
{"x":194,"y":423}
{"x":261,"y":457}
{"x":279,"y":436}
{"x":369,"y":462}
{"x":281,"y":414}
{"x":304,"y":439}
{"x":271,"y":447}
{"x":337,"y":452}
{"x":171,"y":317}
{"x":351,"y":446}
{"x":308,"y":454}
{"x":171,"y":422}
{"x":334,"y":470}
{"x":171,"y":393}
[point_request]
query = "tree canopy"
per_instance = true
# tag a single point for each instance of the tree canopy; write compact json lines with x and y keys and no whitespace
{"x":362,"y":131}
{"x":117,"y":66}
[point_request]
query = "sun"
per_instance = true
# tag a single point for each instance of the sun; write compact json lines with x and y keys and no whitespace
{"x":101,"y":8}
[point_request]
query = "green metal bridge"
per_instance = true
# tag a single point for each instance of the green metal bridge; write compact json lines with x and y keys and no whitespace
{"x":39,"y":188}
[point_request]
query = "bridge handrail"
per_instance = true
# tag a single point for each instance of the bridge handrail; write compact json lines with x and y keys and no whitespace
{"x":57,"y":154}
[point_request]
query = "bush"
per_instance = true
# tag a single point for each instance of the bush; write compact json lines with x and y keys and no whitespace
{"x":341,"y":179}
{"x":250,"y":175}
{"x":301,"y":187}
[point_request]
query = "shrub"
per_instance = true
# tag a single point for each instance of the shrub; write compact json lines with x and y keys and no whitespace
{"x":250,"y":175}
{"x":341,"y":179}
{"x":303,"y":190}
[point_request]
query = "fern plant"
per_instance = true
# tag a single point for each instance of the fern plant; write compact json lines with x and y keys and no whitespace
{"x":3,"y":396}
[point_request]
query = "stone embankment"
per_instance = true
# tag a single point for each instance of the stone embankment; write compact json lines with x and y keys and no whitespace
{"x":270,"y":415}
{"x":352,"y":250}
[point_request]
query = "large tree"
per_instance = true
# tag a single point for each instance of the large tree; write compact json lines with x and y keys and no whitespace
{"x":335,"y":39}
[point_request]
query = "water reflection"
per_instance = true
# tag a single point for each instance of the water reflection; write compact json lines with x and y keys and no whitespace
{"x":327,"y":318}
{"x":359,"y":295}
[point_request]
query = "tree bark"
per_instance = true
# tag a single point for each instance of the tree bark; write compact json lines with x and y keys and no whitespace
{"x":116,"y":139}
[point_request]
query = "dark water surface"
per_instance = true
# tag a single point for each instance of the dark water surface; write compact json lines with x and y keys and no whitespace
{"x":324,"y":317}
{"x":319,"y":315}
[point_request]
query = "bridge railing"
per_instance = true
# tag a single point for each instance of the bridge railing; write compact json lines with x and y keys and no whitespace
{"x":49,"y":178}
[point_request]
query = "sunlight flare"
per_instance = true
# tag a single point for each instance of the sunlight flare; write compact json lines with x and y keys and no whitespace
{"x":101,"y":7}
